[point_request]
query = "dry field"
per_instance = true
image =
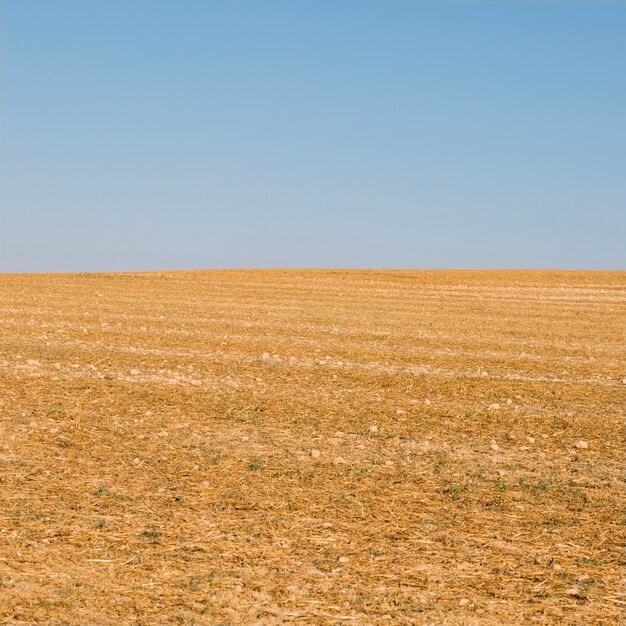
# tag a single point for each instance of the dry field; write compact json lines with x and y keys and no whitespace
{"x":312,"y":447}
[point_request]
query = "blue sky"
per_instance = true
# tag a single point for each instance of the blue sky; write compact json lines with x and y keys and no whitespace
{"x":154,"y":134}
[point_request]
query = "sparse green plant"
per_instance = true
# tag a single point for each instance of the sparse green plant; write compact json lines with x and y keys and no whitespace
{"x":256,"y":463}
{"x":150,"y":533}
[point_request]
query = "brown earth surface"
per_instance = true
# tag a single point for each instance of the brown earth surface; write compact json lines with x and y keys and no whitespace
{"x":312,"y":447}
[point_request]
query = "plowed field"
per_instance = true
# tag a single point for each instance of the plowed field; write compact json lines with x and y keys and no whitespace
{"x":312,"y":447}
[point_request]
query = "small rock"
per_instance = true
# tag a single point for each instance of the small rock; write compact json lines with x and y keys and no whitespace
{"x":427,"y":402}
{"x":400,"y":412}
{"x":494,"y":407}
{"x":494,"y":446}
{"x":582,"y":444}
{"x":530,"y":439}
{"x":339,"y":460}
{"x":464,"y":602}
{"x":266,"y":356}
{"x":315,"y":454}
{"x":573,"y":591}
{"x":373,"y":429}
{"x":343,"y":559}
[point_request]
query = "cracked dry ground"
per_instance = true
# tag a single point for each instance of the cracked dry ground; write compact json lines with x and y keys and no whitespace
{"x":312,"y":447}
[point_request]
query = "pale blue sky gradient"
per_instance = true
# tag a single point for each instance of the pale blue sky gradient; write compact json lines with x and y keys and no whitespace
{"x":170,"y":134}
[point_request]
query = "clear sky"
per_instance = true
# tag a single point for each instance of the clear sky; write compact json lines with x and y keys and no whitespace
{"x":170,"y":134}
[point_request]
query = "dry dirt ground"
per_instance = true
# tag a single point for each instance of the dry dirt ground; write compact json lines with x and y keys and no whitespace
{"x":312,"y":447}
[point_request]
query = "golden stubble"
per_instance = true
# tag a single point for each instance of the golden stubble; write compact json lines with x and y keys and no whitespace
{"x":308,"y":446}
